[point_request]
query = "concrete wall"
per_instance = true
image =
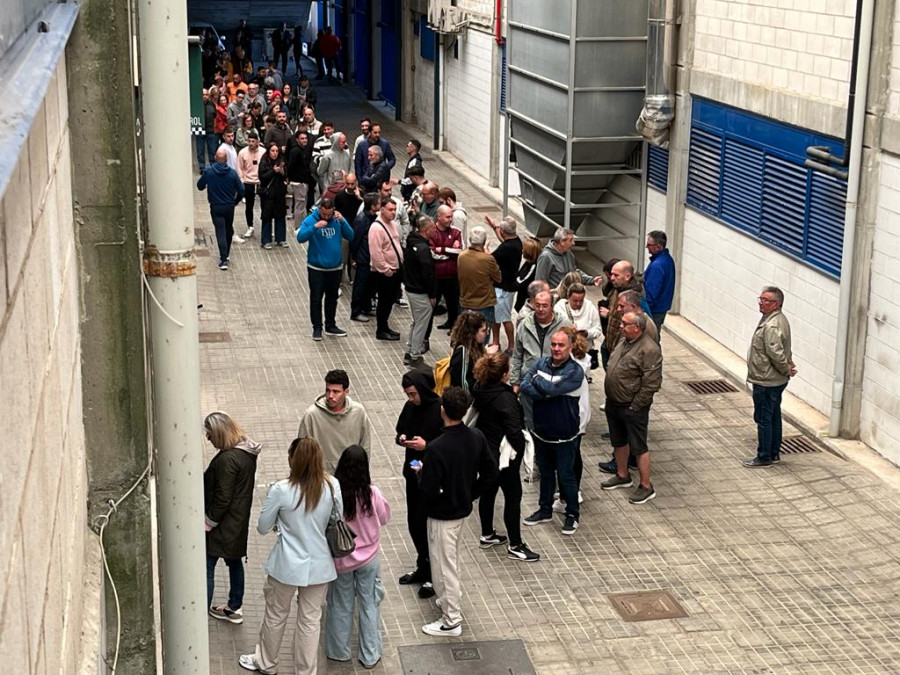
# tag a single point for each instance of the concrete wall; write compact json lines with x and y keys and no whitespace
{"x":472,"y":107}
{"x":723,"y":271}
{"x":43,"y":483}
{"x":880,"y":412}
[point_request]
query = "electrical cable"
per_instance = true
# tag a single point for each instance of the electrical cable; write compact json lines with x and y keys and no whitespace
{"x":102,"y":521}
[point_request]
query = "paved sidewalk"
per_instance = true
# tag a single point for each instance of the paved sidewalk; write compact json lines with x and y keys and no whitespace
{"x":792,"y":569}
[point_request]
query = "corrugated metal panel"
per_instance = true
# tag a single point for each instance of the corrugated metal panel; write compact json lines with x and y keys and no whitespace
{"x":742,"y":181}
{"x":658,"y":168}
{"x":704,"y":171}
{"x":784,"y":204}
{"x":503,"y":78}
{"x":826,"y":221}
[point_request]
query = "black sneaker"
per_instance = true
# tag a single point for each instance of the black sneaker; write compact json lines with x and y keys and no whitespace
{"x":538,"y":517}
{"x":570,"y":525}
{"x":522,"y":553}
{"x":427,"y":591}
{"x":334,"y":331}
{"x":608,"y":467}
{"x":493,"y":539}
{"x":417,"y":576}
{"x":756,"y":463}
{"x":317,"y":334}
{"x":406,"y":359}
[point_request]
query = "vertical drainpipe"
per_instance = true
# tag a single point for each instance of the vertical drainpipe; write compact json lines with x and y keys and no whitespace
{"x":867,"y":11}
{"x":170,"y":267}
{"x":438,"y":91}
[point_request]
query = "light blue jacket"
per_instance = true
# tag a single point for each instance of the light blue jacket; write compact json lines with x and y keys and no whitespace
{"x":301,"y":556}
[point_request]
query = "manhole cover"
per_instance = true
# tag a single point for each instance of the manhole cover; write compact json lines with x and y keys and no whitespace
{"x":215,"y":337}
{"x":647,"y":606}
{"x":711,"y":387}
{"x":506,"y":657}
{"x":796,"y":445}
{"x":201,"y":252}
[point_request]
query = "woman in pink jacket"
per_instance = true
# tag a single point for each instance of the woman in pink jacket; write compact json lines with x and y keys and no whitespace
{"x":359,"y":574}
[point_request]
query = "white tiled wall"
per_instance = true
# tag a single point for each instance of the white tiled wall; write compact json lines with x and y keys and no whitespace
{"x":894,"y":97}
{"x":43,"y":481}
{"x":800,"y":46}
{"x":880,"y":414}
{"x":471,"y":100}
{"x":722,"y":274}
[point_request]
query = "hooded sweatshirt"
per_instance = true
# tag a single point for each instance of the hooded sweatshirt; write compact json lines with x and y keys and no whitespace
{"x":325,"y":252}
{"x":228,"y":484}
{"x":225,"y":186}
{"x":419,"y":420}
{"x":336,"y":431}
{"x":552,"y":266}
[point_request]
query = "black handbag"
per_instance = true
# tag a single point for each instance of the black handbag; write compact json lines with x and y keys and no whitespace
{"x":340,"y":536}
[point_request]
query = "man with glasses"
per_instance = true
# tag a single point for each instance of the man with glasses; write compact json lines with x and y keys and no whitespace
{"x":659,"y":278}
{"x":770,"y":366}
{"x":633,"y":376}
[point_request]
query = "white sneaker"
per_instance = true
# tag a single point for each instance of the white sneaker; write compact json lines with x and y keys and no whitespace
{"x":247,"y":662}
{"x":559,"y":506}
{"x":236,"y":239}
{"x":438,"y":629}
{"x":249,"y":233}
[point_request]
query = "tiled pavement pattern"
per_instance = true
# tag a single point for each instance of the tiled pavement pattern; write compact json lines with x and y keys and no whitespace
{"x":792,"y":569}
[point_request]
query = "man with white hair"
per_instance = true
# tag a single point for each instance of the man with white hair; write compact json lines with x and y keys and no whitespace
{"x":377,"y":170}
{"x":478,"y":272}
{"x":508,"y":256}
{"x":336,"y":158}
{"x":557,"y":260}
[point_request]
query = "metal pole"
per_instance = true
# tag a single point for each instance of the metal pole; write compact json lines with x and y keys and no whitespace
{"x":642,"y":213}
{"x":170,"y":267}
{"x":858,"y":114}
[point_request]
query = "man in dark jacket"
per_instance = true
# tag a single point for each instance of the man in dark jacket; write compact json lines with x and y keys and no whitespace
{"x":280,"y":133}
{"x":418,"y":276}
{"x":377,"y":171}
{"x":459,"y":464}
{"x":299,"y":174}
{"x":225,"y":192}
{"x":553,"y":385}
{"x":207,"y":142}
{"x":361,"y":300}
{"x":361,"y":156}
{"x":508,"y":255}
{"x":419,"y":423}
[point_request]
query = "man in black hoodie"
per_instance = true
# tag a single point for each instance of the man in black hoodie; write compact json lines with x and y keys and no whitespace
{"x":418,"y":277}
{"x":419,"y":423}
{"x":458,"y":465}
{"x":299,"y":173}
{"x":363,"y":288}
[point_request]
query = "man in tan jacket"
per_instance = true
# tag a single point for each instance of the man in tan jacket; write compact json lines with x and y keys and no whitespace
{"x":770,"y":366}
{"x":633,"y":376}
{"x":478,"y":272}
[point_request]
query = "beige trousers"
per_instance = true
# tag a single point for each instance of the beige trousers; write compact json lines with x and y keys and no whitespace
{"x":443,"y":550}
{"x":310,"y":600}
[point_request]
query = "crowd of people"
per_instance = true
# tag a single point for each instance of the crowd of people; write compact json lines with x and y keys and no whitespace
{"x":513,"y":392}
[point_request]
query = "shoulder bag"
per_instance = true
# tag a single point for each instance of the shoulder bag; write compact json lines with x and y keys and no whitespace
{"x":340,"y":536}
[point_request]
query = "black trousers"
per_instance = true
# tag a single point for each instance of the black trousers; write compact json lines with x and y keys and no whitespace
{"x":223,"y":220}
{"x":449,"y":290}
{"x":250,"y":198}
{"x":417,"y":522}
{"x":510,"y":482}
{"x":388,"y":288}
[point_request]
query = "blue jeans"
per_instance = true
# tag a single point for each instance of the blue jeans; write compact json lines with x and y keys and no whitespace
{"x":206,"y":150}
{"x":223,"y":220}
{"x":488,"y":314}
{"x":767,"y":415}
{"x":363,"y":586}
{"x":361,"y":302}
{"x":236,"y":581}
{"x":323,"y":283}
{"x":556,"y":462}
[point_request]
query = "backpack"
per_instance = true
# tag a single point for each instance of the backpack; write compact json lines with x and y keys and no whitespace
{"x":442,"y":373}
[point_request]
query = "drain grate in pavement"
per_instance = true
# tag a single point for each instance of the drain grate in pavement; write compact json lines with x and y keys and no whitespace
{"x":647,"y":606}
{"x":215,"y":337}
{"x":711,"y":387}
{"x":796,"y":445}
{"x":467,"y":658}
{"x":201,"y":252}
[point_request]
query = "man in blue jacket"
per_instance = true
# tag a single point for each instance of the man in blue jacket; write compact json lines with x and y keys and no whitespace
{"x":225,"y":192}
{"x":659,"y":278}
{"x":323,"y":228}
{"x":553,"y":384}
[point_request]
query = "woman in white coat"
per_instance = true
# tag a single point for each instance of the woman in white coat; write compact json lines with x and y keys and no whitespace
{"x":300,"y":563}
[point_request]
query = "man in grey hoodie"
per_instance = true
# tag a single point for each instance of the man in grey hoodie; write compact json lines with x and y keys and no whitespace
{"x":557,"y":260}
{"x":335,"y":420}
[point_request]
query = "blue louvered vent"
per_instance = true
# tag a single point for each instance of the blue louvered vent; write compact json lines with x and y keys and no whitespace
{"x":748,"y":171}
{"x":658,"y":168}
{"x":503,"y":78}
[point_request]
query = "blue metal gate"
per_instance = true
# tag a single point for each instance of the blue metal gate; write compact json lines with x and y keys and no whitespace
{"x":390,"y":51}
{"x":362,"y":45}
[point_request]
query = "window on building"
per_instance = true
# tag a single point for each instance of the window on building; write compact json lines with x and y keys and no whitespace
{"x":747,"y":171}
{"x":658,"y":168}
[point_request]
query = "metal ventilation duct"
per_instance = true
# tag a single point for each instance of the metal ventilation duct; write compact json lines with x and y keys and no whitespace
{"x":659,"y":103}
{"x":577,"y":72}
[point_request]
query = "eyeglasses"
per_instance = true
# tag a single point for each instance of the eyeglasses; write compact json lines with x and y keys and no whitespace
{"x":766,"y":300}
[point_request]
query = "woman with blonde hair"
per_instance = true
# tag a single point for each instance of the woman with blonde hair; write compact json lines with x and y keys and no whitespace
{"x":228,"y":484}
{"x":561,"y":292}
{"x":300,"y":563}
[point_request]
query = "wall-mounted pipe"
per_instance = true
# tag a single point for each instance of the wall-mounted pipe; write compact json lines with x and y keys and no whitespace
{"x":857,"y":117}
{"x":659,"y":100}
{"x":498,"y":22}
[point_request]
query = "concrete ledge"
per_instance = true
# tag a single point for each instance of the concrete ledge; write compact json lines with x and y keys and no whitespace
{"x":803,"y":416}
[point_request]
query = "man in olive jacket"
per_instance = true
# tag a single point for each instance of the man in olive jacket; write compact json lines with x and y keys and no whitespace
{"x":633,"y":376}
{"x":770,"y":366}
